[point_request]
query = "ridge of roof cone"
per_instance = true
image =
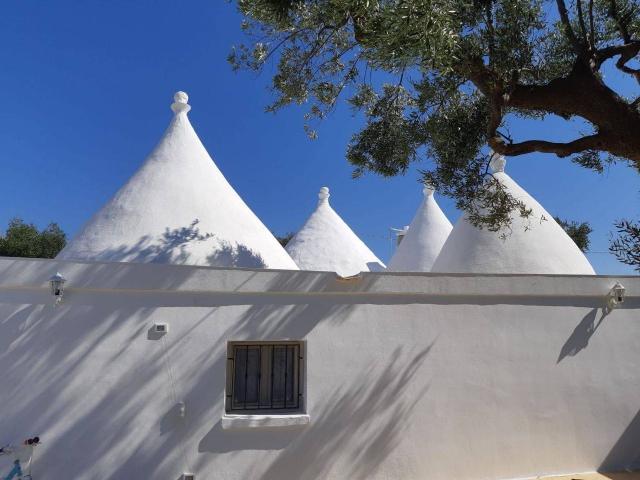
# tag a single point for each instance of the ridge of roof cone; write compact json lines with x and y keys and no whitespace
{"x":424,"y":239}
{"x":179,"y":209}
{"x":533,"y":246}
{"x":326,"y":243}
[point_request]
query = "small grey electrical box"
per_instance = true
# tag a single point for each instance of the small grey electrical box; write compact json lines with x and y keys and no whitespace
{"x":188,"y":476}
{"x":162,"y":328}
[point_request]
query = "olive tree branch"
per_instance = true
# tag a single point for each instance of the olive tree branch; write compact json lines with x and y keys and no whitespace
{"x":614,"y":14}
{"x":590,"y":142}
{"x":580,"y":16}
{"x":578,"y":47}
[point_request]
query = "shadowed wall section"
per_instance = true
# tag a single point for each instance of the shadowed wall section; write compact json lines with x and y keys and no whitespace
{"x":408,"y":376}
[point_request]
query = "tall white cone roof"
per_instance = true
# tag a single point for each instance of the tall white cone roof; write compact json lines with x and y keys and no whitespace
{"x":178,"y":208}
{"x":423,"y":241}
{"x":326,"y":243}
{"x":535,"y":245}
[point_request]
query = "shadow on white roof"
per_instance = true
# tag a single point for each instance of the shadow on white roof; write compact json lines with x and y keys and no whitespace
{"x":178,"y":209}
{"x":534,"y":245}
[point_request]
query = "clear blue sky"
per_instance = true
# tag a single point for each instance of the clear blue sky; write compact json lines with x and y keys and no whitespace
{"x":86,"y":89}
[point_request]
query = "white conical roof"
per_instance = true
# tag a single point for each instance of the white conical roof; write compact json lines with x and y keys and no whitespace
{"x":326,"y":243}
{"x":424,"y":239}
{"x":178,"y":208}
{"x":535,"y":245}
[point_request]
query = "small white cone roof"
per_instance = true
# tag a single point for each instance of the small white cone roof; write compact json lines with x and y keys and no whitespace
{"x":178,"y":209}
{"x":326,"y":243}
{"x":532,"y":246}
{"x":423,"y":241}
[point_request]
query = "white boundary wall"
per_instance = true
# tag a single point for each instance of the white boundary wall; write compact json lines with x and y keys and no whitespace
{"x":409,"y":376}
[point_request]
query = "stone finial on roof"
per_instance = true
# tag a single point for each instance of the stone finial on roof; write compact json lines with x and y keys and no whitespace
{"x":178,"y":208}
{"x":326,"y":243}
{"x":180,"y":104}
{"x":428,"y":190}
{"x":323,"y":195}
{"x":423,"y":239}
{"x":531,"y":246}
{"x":497,"y":162}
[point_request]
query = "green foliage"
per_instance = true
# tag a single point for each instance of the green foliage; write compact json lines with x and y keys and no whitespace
{"x":25,"y":240}
{"x":284,"y":239}
{"x":438,"y":80}
{"x":579,"y":232}
{"x":626,"y":244}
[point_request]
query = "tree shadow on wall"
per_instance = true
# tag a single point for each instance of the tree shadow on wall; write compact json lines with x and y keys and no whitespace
{"x":218,"y":440}
{"x":625,"y":454}
{"x":293,"y":319}
{"x":579,"y":338}
{"x":367,"y":417}
{"x":203,"y":379}
{"x":108,"y":342}
{"x":58,"y":360}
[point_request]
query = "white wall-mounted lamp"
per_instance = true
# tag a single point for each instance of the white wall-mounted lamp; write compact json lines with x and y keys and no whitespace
{"x":615,"y":296}
{"x":57,"y":282}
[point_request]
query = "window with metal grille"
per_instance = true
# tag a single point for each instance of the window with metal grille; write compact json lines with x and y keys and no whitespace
{"x":264,"y":376}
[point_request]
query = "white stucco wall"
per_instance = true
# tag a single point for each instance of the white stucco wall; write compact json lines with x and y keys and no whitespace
{"x":409,"y":376}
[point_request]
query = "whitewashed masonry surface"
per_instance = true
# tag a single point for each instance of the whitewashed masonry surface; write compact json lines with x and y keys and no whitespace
{"x":326,"y":243}
{"x":530,"y":245}
{"x":408,"y":376}
{"x":422,"y":243}
{"x":178,"y":208}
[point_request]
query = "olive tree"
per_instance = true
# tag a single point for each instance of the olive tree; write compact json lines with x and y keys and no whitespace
{"x":443,"y":79}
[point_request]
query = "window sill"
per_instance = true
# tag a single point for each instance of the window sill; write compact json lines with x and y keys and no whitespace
{"x":233,"y":421}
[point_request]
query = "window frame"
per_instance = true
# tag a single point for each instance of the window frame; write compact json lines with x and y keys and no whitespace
{"x":230,"y":407}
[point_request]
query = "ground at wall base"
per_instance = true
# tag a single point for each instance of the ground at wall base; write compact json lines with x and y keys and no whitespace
{"x":594,"y":476}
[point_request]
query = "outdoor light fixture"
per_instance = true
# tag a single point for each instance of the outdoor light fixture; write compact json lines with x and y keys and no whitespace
{"x":188,"y":476}
{"x":57,"y":282}
{"x":616,"y":296}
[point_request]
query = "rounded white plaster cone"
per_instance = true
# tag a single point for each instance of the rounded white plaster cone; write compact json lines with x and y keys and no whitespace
{"x":537,"y":245}
{"x":326,"y":243}
{"x":179,"y":209}
{"x":424,"y":239}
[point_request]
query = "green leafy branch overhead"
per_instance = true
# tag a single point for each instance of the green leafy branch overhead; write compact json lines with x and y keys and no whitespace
{"x":442,"y":79}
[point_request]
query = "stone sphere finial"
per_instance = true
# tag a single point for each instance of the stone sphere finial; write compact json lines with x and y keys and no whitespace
{"x":181,"y":97}
{"x":323,"y":194}
{"x":497,"y":162}
{"x":180,"y":104}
